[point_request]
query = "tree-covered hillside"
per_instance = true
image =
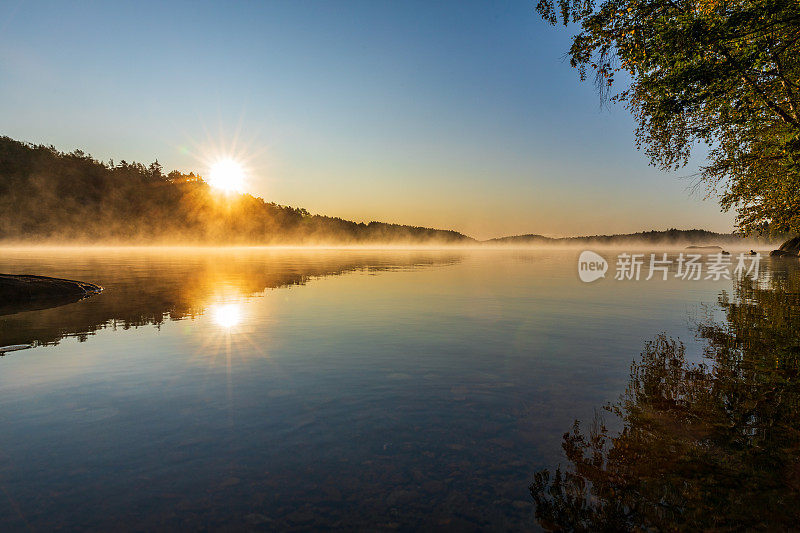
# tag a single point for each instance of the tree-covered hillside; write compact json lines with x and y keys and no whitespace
{"x":49,"y":195}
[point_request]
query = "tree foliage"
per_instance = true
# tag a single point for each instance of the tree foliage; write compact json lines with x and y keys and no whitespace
{"x":722,"y":72}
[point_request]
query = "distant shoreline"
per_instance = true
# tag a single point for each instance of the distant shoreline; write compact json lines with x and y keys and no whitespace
{"x":692,"y":237}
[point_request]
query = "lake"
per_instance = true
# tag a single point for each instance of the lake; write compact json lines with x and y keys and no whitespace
{"x":262,"y":389}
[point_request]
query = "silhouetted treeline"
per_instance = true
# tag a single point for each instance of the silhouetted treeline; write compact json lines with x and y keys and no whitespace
{"x":50,"y":195}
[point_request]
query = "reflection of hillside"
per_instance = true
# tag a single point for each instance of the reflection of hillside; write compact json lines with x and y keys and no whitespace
{"x":143,"y":289}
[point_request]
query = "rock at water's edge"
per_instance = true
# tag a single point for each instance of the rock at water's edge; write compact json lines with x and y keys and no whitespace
{"x":789,"y":248}
{"x":28,"y":292}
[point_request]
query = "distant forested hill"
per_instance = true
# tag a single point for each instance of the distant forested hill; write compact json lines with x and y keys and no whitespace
{"x":670,"y":236}
{"x":51,"y":195}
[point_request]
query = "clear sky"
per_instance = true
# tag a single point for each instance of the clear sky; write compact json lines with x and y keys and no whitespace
{"x":462,"y":115}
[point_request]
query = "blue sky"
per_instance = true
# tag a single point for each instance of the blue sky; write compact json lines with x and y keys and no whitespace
{"x":461,"y":115}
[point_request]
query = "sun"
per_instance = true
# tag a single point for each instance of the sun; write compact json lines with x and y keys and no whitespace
{"x":227,"y":175}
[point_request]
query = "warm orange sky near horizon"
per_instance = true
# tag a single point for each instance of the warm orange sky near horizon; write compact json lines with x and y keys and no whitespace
{"x":462,"y":117}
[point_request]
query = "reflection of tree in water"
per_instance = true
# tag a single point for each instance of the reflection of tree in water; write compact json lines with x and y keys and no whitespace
{"x":145,"y":289}
{"x":710,"y":445}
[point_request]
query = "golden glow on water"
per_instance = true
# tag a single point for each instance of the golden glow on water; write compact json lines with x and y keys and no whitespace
{"x":227,"y":316}
{"x":227,"y":175}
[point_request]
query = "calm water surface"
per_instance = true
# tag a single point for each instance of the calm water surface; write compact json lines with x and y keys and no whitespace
{"x":288,"y":389}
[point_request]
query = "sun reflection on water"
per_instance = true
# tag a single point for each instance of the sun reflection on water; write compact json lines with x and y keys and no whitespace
{"x":229,"y":336}
{"x":227,"y":316}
